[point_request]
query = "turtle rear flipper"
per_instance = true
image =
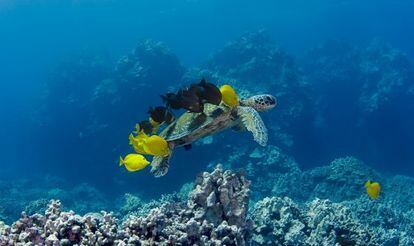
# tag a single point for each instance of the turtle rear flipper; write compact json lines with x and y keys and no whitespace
{"x":252,"y":121}
{"x":160,"y":165}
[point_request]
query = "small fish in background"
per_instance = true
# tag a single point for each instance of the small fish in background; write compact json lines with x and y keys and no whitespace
{"x":133,"y":162}
{"x":373,"y":189}
{"x":229,"y":96}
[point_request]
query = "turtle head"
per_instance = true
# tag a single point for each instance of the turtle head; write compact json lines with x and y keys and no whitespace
{"x":260,"y":103}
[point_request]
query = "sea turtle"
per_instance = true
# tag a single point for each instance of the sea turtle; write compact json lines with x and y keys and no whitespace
{"x":190,"y":127}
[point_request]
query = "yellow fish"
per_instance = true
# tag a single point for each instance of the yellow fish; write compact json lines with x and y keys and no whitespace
{"x":156,"y":145}
{"x":373,"y":189}
{"x":229,"y":96}
{"x":137,"y":143}
{"x":134,"y":162}
{"x":149,"y":145}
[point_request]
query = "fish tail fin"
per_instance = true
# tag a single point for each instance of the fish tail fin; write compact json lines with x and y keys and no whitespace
{"x":368,"y":183}
{"x":121,"y":161}
{"x":131,"y":139}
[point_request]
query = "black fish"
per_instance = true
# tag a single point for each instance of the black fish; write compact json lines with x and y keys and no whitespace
{"x":210,"y":93}
{"x":146,"y":127}
{"x":196,"y":90}
{"x":190,"y":101}
{"x":161,"y":115}
{"x":172,"y":100}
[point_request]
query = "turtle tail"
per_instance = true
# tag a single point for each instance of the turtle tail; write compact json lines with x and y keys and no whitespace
{"x":160,"y":165}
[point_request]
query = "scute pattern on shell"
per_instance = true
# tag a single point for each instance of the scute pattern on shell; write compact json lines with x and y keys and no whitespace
{"x":189,"y":122}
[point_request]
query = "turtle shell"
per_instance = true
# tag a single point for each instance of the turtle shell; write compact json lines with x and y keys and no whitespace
{"x":189,"y":122}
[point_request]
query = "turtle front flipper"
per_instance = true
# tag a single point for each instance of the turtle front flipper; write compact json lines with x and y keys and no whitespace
{"x":252,"y":121}
{"x":160,"y":165}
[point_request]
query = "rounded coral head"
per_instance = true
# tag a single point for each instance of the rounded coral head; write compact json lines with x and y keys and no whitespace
{"x":261,"y":102}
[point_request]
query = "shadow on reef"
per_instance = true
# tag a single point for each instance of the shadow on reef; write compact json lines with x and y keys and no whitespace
{"x":215,"y":212}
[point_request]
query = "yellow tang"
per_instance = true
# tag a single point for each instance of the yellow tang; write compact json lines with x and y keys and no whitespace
{"x":156,"y":145}
{"x":134,"y":162}
{"x":373,"y":189}
{"x":229,"y":96}
{"x":138,"y":142}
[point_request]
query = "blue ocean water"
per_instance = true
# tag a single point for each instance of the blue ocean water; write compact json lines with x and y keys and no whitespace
{"x":77,"y":75}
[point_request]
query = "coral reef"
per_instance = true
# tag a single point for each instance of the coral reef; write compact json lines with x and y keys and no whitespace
{"x":275,"y":174}
{"x":61,"y":228}
{"x":280,"y":221}
{"x":215,"y":214}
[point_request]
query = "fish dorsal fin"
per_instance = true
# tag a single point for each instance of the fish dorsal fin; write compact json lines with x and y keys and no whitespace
{"x":252,"y":121}
{"x":368,"y":183}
